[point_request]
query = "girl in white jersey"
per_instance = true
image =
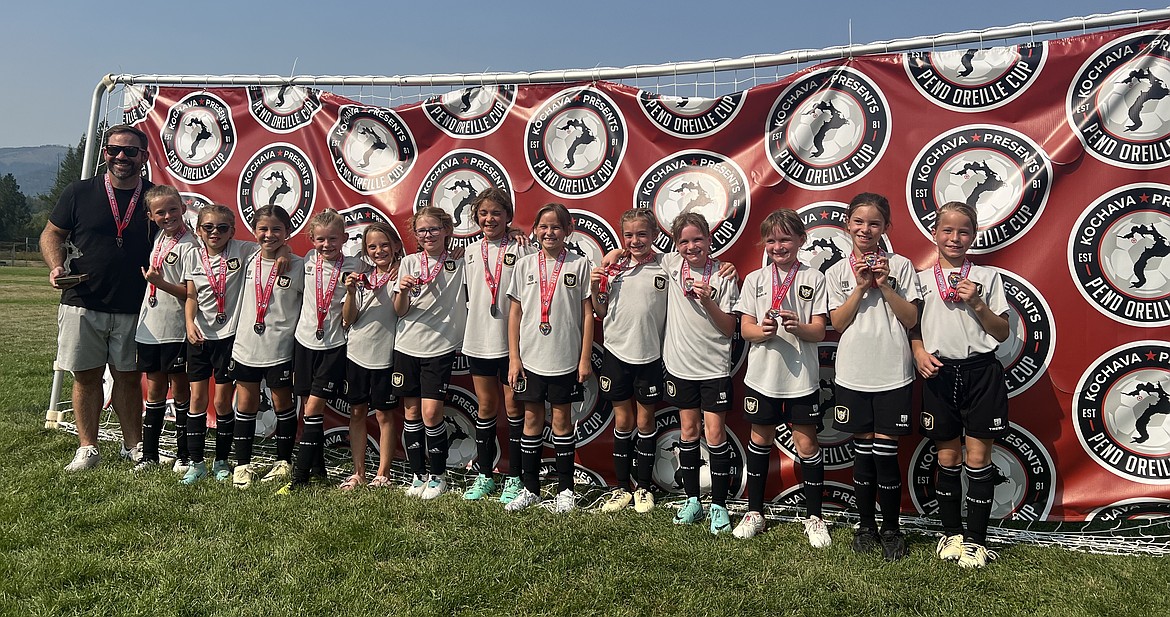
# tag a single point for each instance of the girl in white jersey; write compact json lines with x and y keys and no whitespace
{"x":696,"y":352}
{"x":783,"y":312}
{"x":630,"y":299}
{"x":269,"y":305}
{"x":550,"y":338}
{"x":490,"y":262}
{"x":161,"y":337}
{"x":431,"y":303}
{"x":872,"y":302}
{"x":369,"y":314}
{"x":964,"y":318}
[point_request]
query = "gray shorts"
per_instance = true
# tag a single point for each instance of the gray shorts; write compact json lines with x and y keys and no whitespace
{"x":91,"y":339}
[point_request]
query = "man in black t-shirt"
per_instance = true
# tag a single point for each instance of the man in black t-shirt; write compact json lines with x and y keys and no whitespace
{"x":99,"y":230}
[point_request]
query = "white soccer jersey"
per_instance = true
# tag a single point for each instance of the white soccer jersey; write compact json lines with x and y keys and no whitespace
{"x":164,"y":322}
{"x":635,"y":317}
{"x":487,"y":334}
{"x":559,"y":351}
{"x":693,"y":348}
{"x":437,"y":317}
{"x":873,"y":354}
{"x":333,"y":335}
{"x":784,"y":366}
{"x":275,"y":344}
{"x":371,"y":335}
{"x":231,"y":260}
{"x":951,"y":329}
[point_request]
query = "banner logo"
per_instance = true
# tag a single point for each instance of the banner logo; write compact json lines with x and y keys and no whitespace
{"x":827,"y":241}
{"x":198,"y":137}
{"x":371,"y":147}
{"x":574,"y":142}
{"x":284,"y":108}
{"x":1121,"y":411}
{"x":666,"y":467}
{"x":1000,"y":173}
{"x":591,"y":415}
{"x":836,"y":446}
{"x":338,"y":438}
{"x":278,"y":175}
{"x":973,"y":80}
{"x":192,"y":204}
{"x":454,"y":183}
{"x":474,"y":111}
{"x":1028,"y":477}
{"x":827,"y":129}
{"x":592,"y":236}
{"x":138,"y":102}
{"x":582,"y":475}
{"x":690,"y":117}
{"x":357,"y":218}
{"x":460,"y":410}
{"x":1140,"y":508}
{"x":834,"y":496}
{"x":1119,"y":254}
{"x":1032,"y":334}
{"x":1119,"y":101}
{"x":697,"y":181}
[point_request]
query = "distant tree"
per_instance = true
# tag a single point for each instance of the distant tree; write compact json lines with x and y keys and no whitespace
{"x":70,"y":168}
{"x":14,"y":210}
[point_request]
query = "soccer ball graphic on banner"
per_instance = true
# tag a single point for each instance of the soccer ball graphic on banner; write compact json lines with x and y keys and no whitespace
{"x":1127,"y":106}
{"x":576,"y":145}
{"x":1134,"y":242}
{"x":983,"y":179}
{"x":827,"y":128}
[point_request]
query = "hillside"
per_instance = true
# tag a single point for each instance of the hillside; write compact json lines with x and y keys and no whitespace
{"x":34,"y":167}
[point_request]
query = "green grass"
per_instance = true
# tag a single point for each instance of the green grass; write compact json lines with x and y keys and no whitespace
{"x":110,"y":543}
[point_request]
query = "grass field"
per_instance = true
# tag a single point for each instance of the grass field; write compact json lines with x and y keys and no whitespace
{"x":111,"y":543}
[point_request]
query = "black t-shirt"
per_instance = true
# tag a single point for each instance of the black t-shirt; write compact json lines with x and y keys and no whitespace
{"x":115,"y":282}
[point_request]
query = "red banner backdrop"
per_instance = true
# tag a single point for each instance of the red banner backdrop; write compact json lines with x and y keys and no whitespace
{"x":1062,"y":146}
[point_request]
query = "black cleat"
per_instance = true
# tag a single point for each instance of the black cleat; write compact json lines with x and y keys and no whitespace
{"x":893,"y":545}
{"x":865,"y":540}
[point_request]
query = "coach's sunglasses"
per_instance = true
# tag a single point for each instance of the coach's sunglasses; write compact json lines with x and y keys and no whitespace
{"x":131,"y":151}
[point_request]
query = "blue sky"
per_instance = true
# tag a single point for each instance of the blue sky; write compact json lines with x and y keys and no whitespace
{"x":52,"y":54}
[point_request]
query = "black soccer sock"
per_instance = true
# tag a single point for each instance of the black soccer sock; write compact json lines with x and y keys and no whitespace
{"x":864,"y":475}
{"x":623,"y":445}
{"x":720,"y":473}
{"x":948,"y":489}
{"x":565,"y":447}
{"x":688,"y":467}
{"x":182,"y":410}
{"x":416,"y":456}
{"x":312,"y":438}
{"x":286,"y":434}
{"x":980,"y":493}
{"x":644,"y":458}
{"x":437,"y":448}
{"x":812,"y":474}
{"x":515,"y":433}
{"x":196,"y":436}
{"x":152,"y":425}
{"x":224,"y":427}
{"x":889,"y":482}
{"x":485,"y":445}
{"x":242,"y":433}
{"x":757,"y":475}
{"x":530,"y":447}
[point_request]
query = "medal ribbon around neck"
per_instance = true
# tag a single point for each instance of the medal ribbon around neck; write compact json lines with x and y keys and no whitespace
{"x":431,"y":274}
{"x":263,"y":293}
{"x":217,"y":282}
{"x":493,"y":283}
{"x":947,"y":285}
{"x":780,"y":290}
{"x":121,"y":223}
{"x":325,"y":296}
{"x":376,"y":280}
{"x":547,"y":290}
{"x":163,"y":247}
{"x":686,"y":274}
{"x":613,"y":271}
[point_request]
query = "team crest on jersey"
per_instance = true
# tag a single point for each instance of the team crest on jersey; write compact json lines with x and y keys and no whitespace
{"x":283,"y":281}
{"x":666,"y":472}
{"x":337,"y":438}
{"x":171,"y":258}
{"x":284,"y":108}
{"x":751,"y":404}
{"x":1119,"y":254}
{"x":454,"y":183}
{"x":233,"y":264}
{"x":138,"y":102}
{"x":198,"y":137}
{"x":841,"y":413}
{"x":827,"y":241}
{"x":827,"y":129}
{"x":660,"y":282}
{"x":1121,"y":411}
{"x":927,"y":421}
{"x":834,"y":496}
{"x":570,"y":279}
{"x":606,"y":383}
{"x":805,"y":292}
{"x":1027,"y":486}
{"x":591,"y":415}
{"x":278,"y":175}
{"x":1031,"y":337}
{"x":1135,"y":509}
{"x":836,"y":446}
{"x":592,"y":236}
{"x":1118,"y":103}
{"x":690,"y":117}
{"x":671,"y":389}
{"x":509,"y":259}
{"x":474,"y":111}
{"x":449,"y":265}
{"x":371,"y":147}
{"x":699,"y":181}
{"x":357,"y":218}
{"x":575,"y":141}
{"x":397,"y":379}
{"x":973,"y":80}
{"x":1002,"y":174}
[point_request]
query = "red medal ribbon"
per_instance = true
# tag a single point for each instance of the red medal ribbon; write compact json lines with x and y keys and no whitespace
{"x":430,"y":274}
{"x":686,"y":274}
{"x":547,"y":290}
{"x":217,"y":283}
{"x":325,"y":297}
{"x":156,"y":258}
{"x":263,"y":294}
{"x":877,"y":254}
{"x":947,"y":291}
{"x":613,"y":271}
{"x":120,"y":222}
{"x":780,"y":291}
{"x":494,"y":283}
{"x":376,"y":280}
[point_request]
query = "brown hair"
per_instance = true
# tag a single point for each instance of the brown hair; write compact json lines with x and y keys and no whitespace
{"x":562,"y":213}
{"x":275,"y":212}
{"x":217,"y":210}
{"x":870,"y":199}
{"x":689,"y":219}
{"x":160,"y":191}
{"x":496,"y":195}
{"x":126,"y":128}
{"x":436,"y":213}
{"x":961,"y":208}
{"x":785,"y":220}
{"x":326,"y":218}
{"x":379,"y":226}
{"x":638,"y":214}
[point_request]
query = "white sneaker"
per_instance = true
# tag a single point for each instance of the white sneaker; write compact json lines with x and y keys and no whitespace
{"x":132,"y":454}
{"x":950,"y":548}
{"x":144,"y":466}
{"x":281,"y":472}
{"x":243,"y":477}
{"x":418,"y":484}
{"x":817,"y":532}
{"x":976,"y":555}
{"x":566,"y":501}
{"x":181,"y":466}
{"x":437,"y":486}
{"x":752,"y":524}
{"x":86,"y":457}
{"x":524,"y":499}
{"x":617,"y":501}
